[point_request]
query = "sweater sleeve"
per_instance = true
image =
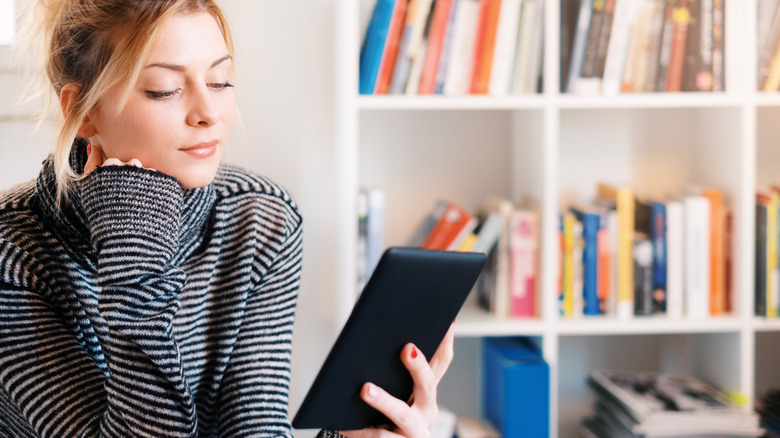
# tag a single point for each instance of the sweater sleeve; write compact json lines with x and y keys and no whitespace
{"x":253,"y":396}
{"x":133,"y":216}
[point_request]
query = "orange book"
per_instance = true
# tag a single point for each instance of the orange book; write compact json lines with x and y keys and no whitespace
{"x":604,"y":254}
{"x":717,"y":251}
{"x":440,"y":20}
{"x":390,"y":53}
{"x":680,"y":17}
{"x":486,"y":40}
{"x":451,"y":229}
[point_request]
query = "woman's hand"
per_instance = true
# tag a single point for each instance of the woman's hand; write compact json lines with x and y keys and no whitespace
{"x":96,"y":158}
{"x":415,"y":418}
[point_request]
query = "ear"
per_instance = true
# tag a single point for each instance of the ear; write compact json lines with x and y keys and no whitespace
{"x":68,"y":97}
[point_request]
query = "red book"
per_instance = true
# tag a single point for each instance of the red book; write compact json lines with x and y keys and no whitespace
{"x":453,"y":227}
{"x":390,"y":52}
{"x":486,"y":40}
{"x":674,"y":71}
{"x":441,"y":18}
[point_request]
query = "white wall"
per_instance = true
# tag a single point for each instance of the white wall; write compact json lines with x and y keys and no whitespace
{"x":285,"y":94}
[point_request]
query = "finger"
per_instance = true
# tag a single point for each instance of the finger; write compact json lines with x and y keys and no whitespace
{"x":405,"y":418}
{"x":443,"y":357}
{"x":135,"y":162}
{"x":113,"y":162}
{"x":94,"y":158}
{"x":425,"y":383}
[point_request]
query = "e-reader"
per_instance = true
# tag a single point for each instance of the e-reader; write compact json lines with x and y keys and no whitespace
{"x":413,"y":295}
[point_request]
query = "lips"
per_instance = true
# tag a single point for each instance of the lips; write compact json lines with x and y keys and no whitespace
{"x":202,"y":150}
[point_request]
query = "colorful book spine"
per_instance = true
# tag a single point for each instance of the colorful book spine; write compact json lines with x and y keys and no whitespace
{"x":674,"y":259}
{"x":658,"y":236}
{"x":484,"y":52}
{"x":697,"y":262}
{"x":643,"y":275}
{"x":591,"y":226}
{"x":373,"y":45}
{"x":441,"y":18}
{"x":390,"y":52}
{"x":567,"y":306}
{"x":717,"y":248}
{"x":674,"y":72}
{"x":760,"y":277}
{"x":523,"y":261}
{"x":580,"y":43}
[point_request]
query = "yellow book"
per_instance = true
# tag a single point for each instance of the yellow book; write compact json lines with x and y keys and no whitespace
{"x":568,"y":265}
{"x":623,"y":200}
{"x":773,"y":280}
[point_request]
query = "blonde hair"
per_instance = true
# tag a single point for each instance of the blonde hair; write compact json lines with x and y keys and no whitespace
{"x":97,"y":45}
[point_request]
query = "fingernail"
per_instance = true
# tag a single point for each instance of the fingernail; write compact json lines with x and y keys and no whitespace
{"x":455,"y":319}
{"x":89,"y":150}
{"x":414,"y":353}
{"x":370,"y":389}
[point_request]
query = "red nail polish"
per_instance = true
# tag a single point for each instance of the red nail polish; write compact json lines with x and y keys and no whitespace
{"x":414,"y":353}
{"x":89,"y":150}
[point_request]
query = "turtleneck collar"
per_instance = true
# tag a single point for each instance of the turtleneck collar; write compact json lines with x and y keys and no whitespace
{"x":70,"y":225}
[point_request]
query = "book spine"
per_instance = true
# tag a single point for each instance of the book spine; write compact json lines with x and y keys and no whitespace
{"x":484,"y":61}
{"x":589,"y":63}
{"x":392,"y":44}
{"x":674,"y":72}
{"x":604,"y":36}
{"x":666,"y":47}
{"x":659,"y":257}
{"x":761,"y":260}
{"x":505,"y":47}
{"x":772,"y":283}
{"x":446,"y":49}
{"x":534,"y":79}
{"x":464,"y":32}
{"x":697,"y":265}
{"x":717,"y":247}
{"x":578,"y":268}
{"x":604,"y":264}
{"x":625,"y":211}
{"x":692,"y":44}
{"x":704,"y":80}
{"x":591,"y":223}
{"x":373,"y":45}
{"x":580,"y":45}
{"x":617,"y":51}
{"x":441,"y":16}
{"x":405,"y":49}
{"x":655,"y":38}
{"x":567,"y":307}
{"x":522,"y":259}
{"x":718,"y":47}
{"x":643,"y":275}
{"x":525,"y":42}
{"x":674,"y":259}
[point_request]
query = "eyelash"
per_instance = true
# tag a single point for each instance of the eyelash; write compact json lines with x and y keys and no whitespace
{"x":162,"y":95}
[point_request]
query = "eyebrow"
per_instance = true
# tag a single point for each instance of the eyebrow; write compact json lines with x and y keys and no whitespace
{"x":181,"y":68}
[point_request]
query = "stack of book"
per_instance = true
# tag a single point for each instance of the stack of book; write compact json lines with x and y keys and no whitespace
{"x":613,"y":46}
{"x":453,"y":47}
{"x":626,"y":255}
{"x":634,"y":404}
{"x":507,"y":287}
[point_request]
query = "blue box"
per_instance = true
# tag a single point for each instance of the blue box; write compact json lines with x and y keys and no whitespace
{"x":516,"y":387}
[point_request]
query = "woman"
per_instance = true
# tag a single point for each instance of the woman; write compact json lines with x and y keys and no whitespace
{"x":147,"y":290}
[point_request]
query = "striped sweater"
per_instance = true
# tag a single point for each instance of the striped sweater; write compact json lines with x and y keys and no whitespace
{"x":139,"y":309}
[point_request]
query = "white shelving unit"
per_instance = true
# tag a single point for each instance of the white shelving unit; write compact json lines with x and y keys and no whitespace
{"x":555,"y":148}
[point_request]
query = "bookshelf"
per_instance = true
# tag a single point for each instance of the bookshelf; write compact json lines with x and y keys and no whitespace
{"x":555,"y":147}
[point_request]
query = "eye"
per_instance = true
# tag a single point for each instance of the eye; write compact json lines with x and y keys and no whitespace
{"x":219,"y":86}
{"x":161,"y":95}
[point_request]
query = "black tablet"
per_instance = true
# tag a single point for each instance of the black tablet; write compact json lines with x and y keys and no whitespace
{"x":412,"y":296}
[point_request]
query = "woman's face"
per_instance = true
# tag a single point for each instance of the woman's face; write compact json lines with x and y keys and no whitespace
{"x":178,"y":117}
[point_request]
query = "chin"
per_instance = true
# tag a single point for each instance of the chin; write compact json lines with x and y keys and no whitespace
{"x":194,"y":180}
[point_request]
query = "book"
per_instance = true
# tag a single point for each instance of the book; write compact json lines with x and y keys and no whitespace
{"x":760,"y":277}
{"x":426,"y":225}
{"x":665,"y":48}
{"x":418,"y":61}
{"x":516,"y":387}
{"x":372,"y":215}
{"x":696,"y":233}
{"x":717,"y":250}
{"x":653,"y":404}
{"x":623,"y":200}
{"x":569,"y":12}
{"x":580,"y":45}
{"x":643,"y":275}
{"x":373,"y":45}
{"x":523,"y":261}
{"x":593,"y":222}
{"x":436,"y":34}
{"x":718,"y":46}
{"x":505,"y":47}
{"x":704,"y":79}
{"x":772,"y":257}
{"x":674,"y":258}
{"x":527,"y":60}
{"x":768,"y":59}
{"x":458,"y":76}
{"x":674,"y":72}
{"x":485,"y":44}
{"x":494,"y":295}
{"x":589,"y":63}
{"x":446,"y":49}
{"x":617,"y":51}
{"x":451,"y":229}
{"x":390,"y":52}
{"x":692,"y":45}
{"x":569,"y":222}
{"x":604,"y":37}
{"x":411,"y":41}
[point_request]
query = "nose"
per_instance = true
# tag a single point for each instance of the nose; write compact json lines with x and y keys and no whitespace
{"x":203,"y":110}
